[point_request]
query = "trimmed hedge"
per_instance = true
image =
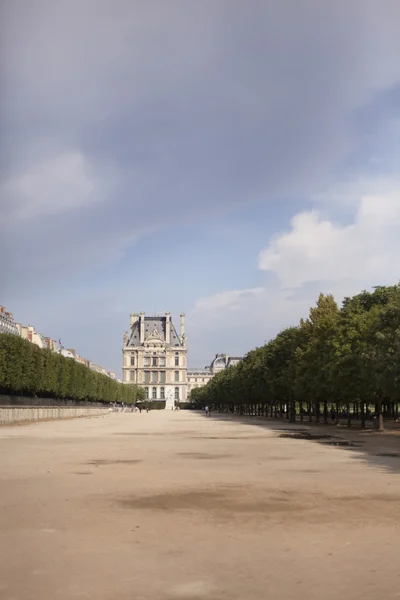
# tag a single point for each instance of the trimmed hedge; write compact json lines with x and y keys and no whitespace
{"x":26,"y":369}
{"x":152,"y":404}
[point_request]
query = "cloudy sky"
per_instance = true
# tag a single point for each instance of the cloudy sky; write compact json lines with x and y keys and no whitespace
{"x":229,"y":159}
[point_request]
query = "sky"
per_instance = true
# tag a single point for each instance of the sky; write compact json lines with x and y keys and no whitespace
{"x":229,"y":159}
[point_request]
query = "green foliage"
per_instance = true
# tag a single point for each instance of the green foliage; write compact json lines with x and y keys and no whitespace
{"x":152,"y":405}
{"x":334,"y":357}
{"x":27,"y":369}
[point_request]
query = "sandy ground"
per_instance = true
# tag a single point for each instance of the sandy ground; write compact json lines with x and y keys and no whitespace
{"x":173,"y":505}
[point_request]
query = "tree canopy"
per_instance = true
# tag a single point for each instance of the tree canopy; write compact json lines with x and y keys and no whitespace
{"x":338,"y":359}
{"x":29,"y":370}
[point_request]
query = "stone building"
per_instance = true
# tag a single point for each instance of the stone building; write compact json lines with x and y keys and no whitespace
{"x":155,"y":357}
{"x":223,"y":361}
{"x":7,"y":323}
{"x":198,"y":377}
{"x":28,"y":332}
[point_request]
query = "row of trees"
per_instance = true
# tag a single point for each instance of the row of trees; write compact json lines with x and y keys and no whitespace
{"x":26,"y":369}
{"x":338,"y":359}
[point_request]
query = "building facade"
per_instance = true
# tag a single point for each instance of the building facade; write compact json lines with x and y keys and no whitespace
{"x":28,"y":332}
{"x":198,"y":377}
{"x":155,"y":357}
{"x":7,"y":323}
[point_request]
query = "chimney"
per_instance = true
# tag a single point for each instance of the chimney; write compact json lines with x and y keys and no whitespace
{"x":141,"y":328}
{"x":182,"y":324}
{"x":167,"y":328}
{"x":134,"y":318}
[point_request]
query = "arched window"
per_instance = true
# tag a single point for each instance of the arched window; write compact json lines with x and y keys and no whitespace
{"x":177,"y":359}
{"x":146,"y":392}
{"x":162,"y":393}
{"x":176,"y":393}
{"x":154,"y":393}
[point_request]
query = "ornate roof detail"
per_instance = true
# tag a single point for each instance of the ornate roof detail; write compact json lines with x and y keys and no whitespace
{"x":155,"y":328}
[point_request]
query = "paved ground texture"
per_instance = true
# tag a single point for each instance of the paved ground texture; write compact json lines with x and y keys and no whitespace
{"x":174,"y":505}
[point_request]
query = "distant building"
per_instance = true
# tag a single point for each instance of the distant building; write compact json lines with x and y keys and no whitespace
{"x":223,"y":361}
{"x":28,"y":332}
{"x":155,"y":357}
{"x":79,"y":359}
{"x":98,"y":369}
{"x":7,"y":323}
{"x":198,"y":377}
{"x":50,"y":344}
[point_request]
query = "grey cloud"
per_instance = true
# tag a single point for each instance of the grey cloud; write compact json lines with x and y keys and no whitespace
{"x":194,"y":106}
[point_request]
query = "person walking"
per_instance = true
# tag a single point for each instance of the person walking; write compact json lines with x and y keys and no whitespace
{"x":207,"y":411}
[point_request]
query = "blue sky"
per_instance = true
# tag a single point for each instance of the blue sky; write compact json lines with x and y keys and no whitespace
{"x":226,"y":159}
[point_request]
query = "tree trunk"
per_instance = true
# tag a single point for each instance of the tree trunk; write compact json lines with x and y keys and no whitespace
{"x":362,"y":406}
{"x":325,"y":412}
{"x":378,"y":410}
{"x":292,"y":411}
{"x":317,"y":417}
{"x":301,"y":410}
{"x":309,"y":406}
{"x":348,"y":414}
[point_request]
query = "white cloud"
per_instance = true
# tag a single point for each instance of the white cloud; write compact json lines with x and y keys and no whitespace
{"x":316,"y":255}
{"x":231,"y":300}
{"x":317,"y":250}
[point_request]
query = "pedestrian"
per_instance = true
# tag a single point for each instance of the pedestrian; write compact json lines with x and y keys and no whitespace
{"x":207,"y":411}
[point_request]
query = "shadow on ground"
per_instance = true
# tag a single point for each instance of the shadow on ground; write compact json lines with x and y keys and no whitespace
{"x":381,"y":449}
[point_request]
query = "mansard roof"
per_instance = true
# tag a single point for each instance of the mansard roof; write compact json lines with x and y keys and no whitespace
{"x":151,"y":324}
{"x":224,"y":359}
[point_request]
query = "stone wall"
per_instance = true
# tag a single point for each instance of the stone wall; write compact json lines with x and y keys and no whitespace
{"x":20,"y":414}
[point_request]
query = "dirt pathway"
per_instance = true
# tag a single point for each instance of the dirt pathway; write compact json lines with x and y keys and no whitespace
{"x":168,"y":505}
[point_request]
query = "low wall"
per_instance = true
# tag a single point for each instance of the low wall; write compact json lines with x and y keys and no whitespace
{"x":20,"y":414}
